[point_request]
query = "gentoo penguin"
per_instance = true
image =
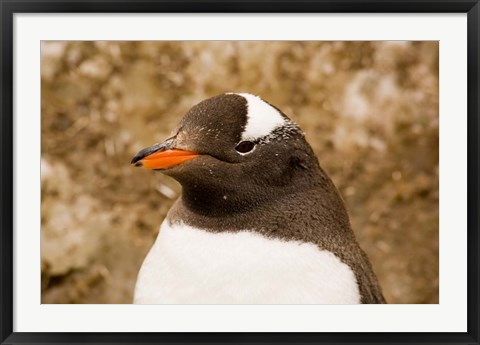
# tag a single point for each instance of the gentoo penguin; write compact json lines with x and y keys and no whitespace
{"x":258,"y":220}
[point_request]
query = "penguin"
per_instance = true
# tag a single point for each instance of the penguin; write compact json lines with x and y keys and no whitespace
{"x":258,"y":220}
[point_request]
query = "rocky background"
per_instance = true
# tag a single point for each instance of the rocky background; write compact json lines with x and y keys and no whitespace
{"x":369,"y":109}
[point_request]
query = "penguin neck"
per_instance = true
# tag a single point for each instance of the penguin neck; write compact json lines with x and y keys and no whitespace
{"x":237,"y":202}
{"x":215,"y":201}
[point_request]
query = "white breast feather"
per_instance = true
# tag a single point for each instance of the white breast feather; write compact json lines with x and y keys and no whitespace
{"x":193,"y":266}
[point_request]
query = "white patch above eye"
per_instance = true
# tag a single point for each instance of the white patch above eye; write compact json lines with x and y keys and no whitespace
{"x":262,"y":118}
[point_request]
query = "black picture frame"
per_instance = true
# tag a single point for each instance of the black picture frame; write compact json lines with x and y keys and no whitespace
{"x":9,"y":8}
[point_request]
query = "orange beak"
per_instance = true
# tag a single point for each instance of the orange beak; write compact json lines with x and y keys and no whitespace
{"x":161,"y":156}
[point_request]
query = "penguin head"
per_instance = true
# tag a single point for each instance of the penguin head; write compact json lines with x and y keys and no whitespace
{"x":236,"y":146}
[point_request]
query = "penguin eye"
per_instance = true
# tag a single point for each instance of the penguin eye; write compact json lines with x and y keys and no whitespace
{"x":245,"y":146}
